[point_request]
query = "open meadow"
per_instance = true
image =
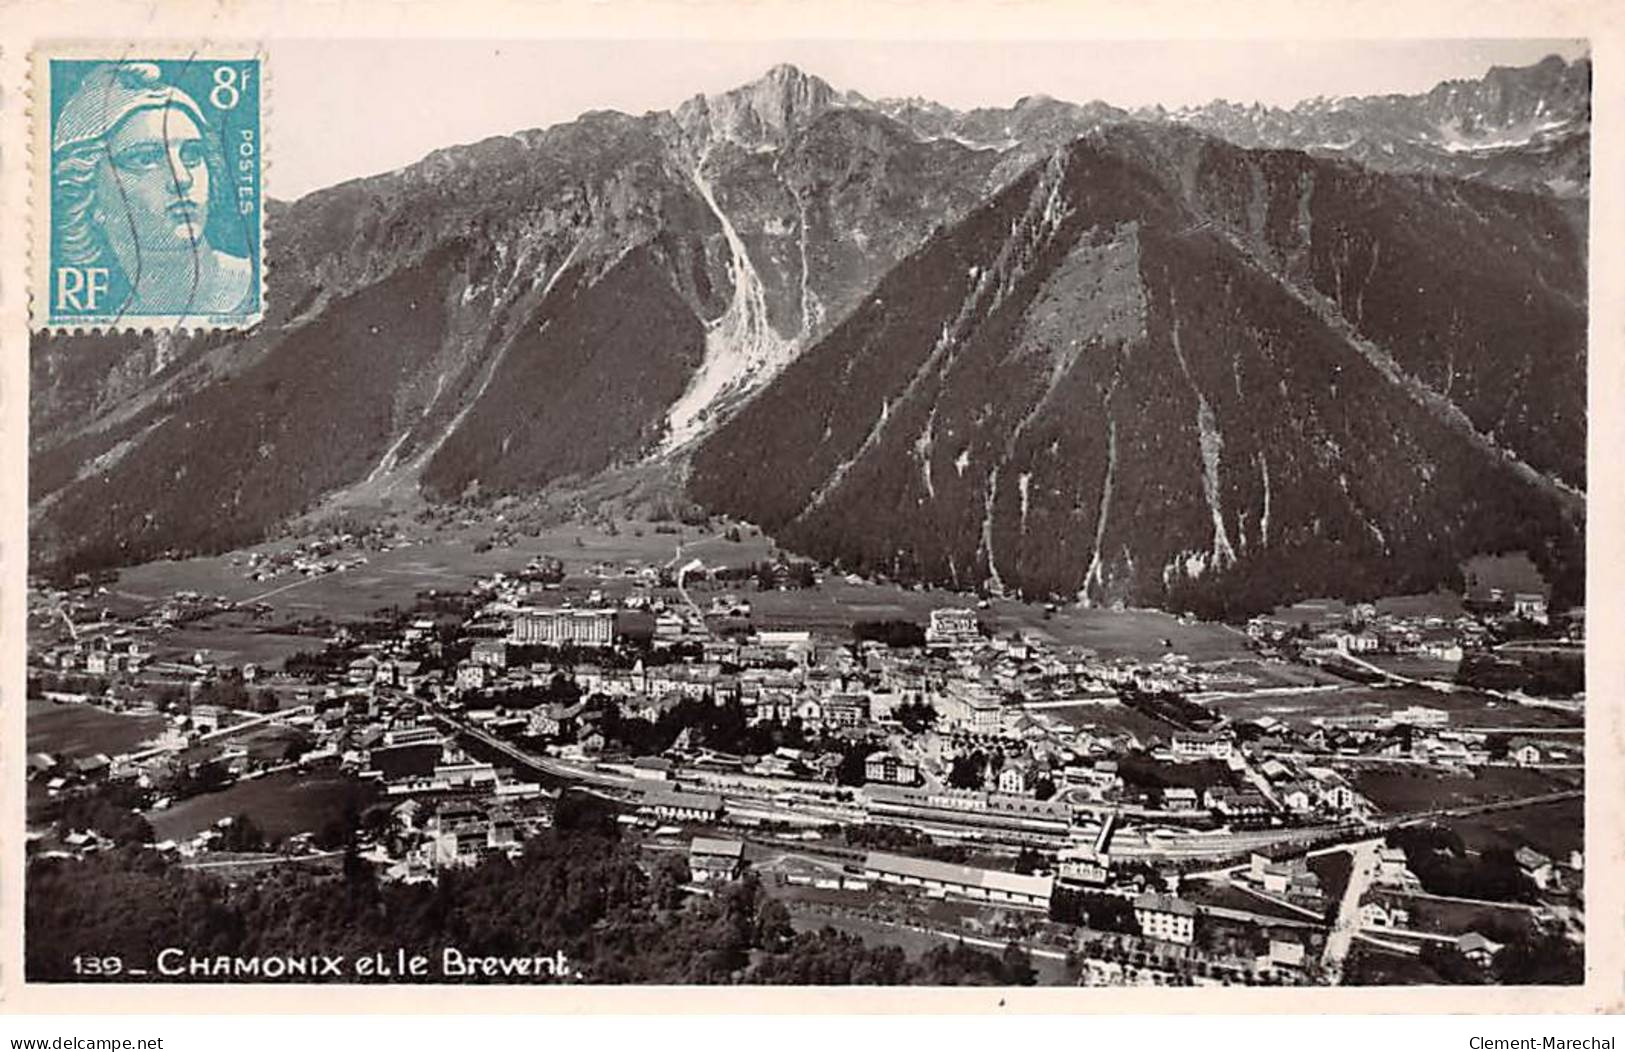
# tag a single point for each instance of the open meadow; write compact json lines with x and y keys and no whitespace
{"x":1415,"y":666}
{"x":449,"y":561}
{"x":1553,"y":828}
{"x":1445,"y":917}
{"x":77,"y":729}
{"x":1334,"y":869}
{"x":1467,"y":709}
{"x":913,"y":942}
{"x":280,"y":804}
{"x":1402,"y":788}
{"x":1272,"y":673}
{"x":1106,"y":719}
{"x":1226,"y":895}
{"x":1140,"y":634}
{"x":234,"y":638}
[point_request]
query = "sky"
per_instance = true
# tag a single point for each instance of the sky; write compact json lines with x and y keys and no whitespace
{"x":342,"y":111}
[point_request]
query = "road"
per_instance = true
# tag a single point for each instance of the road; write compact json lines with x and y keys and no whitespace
{"x":266,"y":860}
{"x":290,"y":586}
{"x":1205,"y":696}
{"x":739,"y":804}
{"x":1408,"y":761}
{"x":1191,"y":846}
{"x":1382,"y":825}
{"x":682,"y":590}
{"x":1131,"y":843}
{"x":1413,"y":817}
{"x":784,"y":860}
{"x":1261,"y":919}
{"x":1411,"y":893}
{"x":1259,"y":782}
{"x":1522,"y":730}
{"x":545,"y":764}
{"x":1364,"y":855}
{"x":677,"y":557}
{"x":224,"y":732}
{"x":1065,"y":703}
{"x":1442,"y":687}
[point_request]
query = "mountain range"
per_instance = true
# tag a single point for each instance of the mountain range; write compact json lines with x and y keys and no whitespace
{"x":1210,"y":358}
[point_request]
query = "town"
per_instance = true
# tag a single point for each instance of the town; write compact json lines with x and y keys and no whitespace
{"x":1349,"y":793}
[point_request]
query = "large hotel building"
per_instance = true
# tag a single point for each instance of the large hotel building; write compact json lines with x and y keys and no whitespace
{"x":563,"y":627}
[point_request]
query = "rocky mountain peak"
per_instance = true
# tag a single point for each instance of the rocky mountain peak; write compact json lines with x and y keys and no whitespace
{"x":761,"y":114}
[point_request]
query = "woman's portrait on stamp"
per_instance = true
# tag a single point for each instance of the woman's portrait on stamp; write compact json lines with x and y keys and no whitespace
{"x":138,"y":173}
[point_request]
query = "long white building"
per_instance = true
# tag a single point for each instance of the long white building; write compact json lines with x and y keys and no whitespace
{"x":562,"y":627}
{"x":943,"y":878}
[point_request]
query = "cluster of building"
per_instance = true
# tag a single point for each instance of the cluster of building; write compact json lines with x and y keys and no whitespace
{"x":1361,"y":629}
{"x":1169,"y":959}
{"x":402,"y":709}
{"x":433,"y":835}
{"x":316,"y":556}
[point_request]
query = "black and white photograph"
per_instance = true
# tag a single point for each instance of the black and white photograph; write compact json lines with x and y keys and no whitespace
{"x":1054,"y":513}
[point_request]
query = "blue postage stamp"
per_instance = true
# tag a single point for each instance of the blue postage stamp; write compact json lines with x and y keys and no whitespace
{"x":149,"y":188}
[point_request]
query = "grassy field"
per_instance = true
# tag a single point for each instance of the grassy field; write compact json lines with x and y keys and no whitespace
{"x":830,"y":609}
{"x":73,"y":729}
{"x":1440,"y":917}
{"x":1415,"y":666}
{"x":448,"y":562}
{"x":1130,"y":633}
{"x":1474,"y":710}
{"x":1300,"y":709}
{"x":1229,"y":896}
{"x":1432,"y":604}
{"x":270,"y":743}
{"x":1143,"y":634}
{"x":1466,"y":709}
{"x":1278,"y":673}
{"x":1311,"y":611}
{"x":1107,"y":719}
{"x":281,"y":804}
{"x":1554,"y":829}
{"x":1412,"y":788}
{"x":914,"y":944}
{"x":1377,"y":967}
{"x":1333,"y":869}
{"x":234,"y":638}
{"x":1143,"y":771}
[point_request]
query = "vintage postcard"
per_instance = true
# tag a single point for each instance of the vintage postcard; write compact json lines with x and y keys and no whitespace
{"x":149,"y":188}
{"x":1099,"y":520}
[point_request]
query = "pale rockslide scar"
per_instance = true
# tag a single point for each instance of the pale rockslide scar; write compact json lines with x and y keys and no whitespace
{"x":148,"y":187}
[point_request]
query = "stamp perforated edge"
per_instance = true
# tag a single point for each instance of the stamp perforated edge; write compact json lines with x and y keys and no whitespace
{"x":37,"y":96}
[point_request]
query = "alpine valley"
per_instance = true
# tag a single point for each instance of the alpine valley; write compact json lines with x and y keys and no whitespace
{"x":1209,"y":359}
